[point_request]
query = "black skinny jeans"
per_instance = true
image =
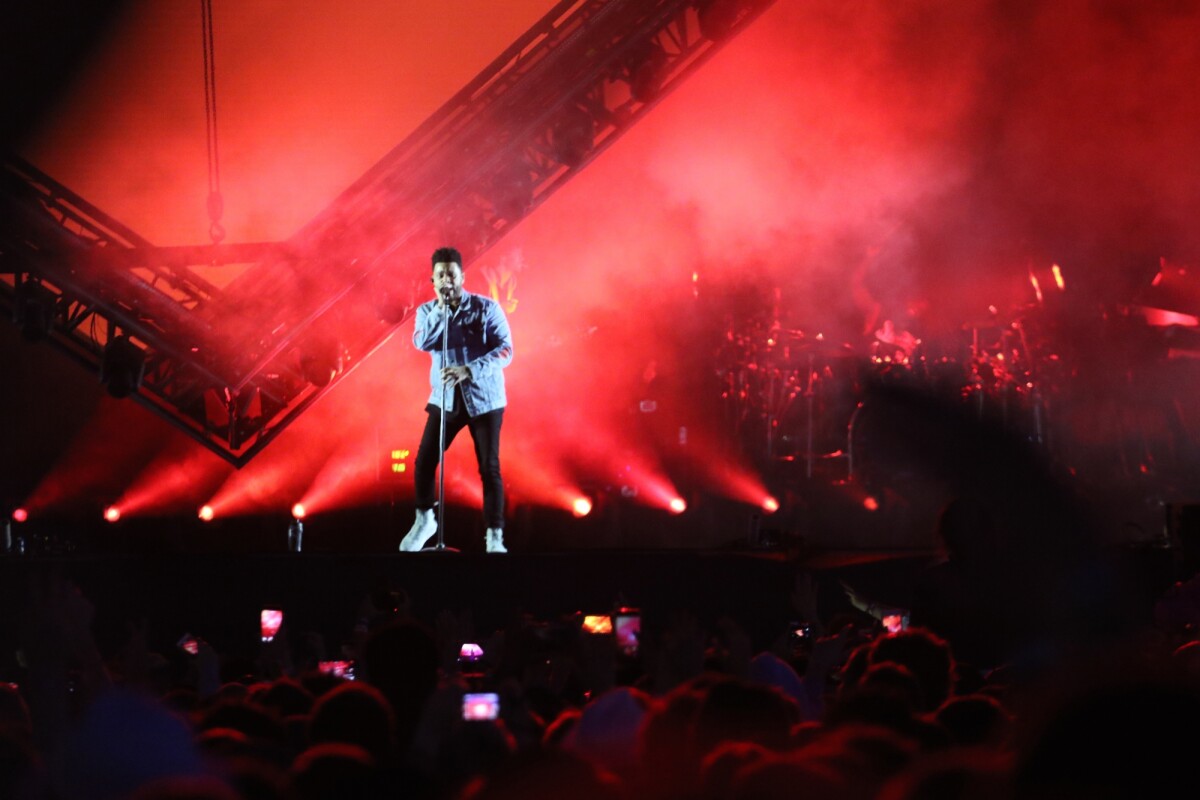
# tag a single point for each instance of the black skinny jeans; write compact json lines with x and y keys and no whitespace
{"x":485,"y":432}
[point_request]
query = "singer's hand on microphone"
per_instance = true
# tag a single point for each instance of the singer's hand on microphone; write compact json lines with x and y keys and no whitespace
{"x":453,"y":376}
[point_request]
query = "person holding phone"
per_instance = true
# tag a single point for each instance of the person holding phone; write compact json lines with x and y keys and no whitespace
{"x":479,"y":347}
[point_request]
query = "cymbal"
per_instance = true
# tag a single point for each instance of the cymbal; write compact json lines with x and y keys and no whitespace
{"x":820,"y":347}
{"x":984,"y":323}
{"x":824,"y":346}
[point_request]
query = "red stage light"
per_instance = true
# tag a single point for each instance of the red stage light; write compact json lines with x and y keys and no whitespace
{"x":581,"y":507}
{"x":112,"y":513}
{"x":871,"y":504}
{"x":770,"y":504}
{"x":20,"y":515}
{"x":298,"y":511}
{"x":206,"y":513}
{"x":677,"y":505}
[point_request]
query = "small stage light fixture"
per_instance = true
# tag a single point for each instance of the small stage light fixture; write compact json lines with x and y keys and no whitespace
{"x":33,"y":309}
{"x":718,"y":18}
{"x":572,"y":136}
{"x":511,"y":191}
{"x":122,"y":366}
{"x":320,"y":365}
{"x":646,"y":72}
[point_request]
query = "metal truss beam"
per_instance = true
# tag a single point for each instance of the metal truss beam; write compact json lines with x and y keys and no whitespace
{"x":233,"y":366}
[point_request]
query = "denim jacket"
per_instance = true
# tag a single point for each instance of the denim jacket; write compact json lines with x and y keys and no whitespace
{"x":479,"y":339}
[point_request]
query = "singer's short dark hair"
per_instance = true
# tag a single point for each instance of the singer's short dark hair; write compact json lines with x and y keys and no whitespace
{"x":447,"y":255}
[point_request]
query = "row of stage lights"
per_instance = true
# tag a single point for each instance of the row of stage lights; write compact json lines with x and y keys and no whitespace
{"x":580,"y":507}
{"x":16,"y":542}
{"x":637,"y":484}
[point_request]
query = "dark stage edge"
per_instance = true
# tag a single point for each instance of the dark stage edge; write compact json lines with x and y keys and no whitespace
{"x":218,"y":596}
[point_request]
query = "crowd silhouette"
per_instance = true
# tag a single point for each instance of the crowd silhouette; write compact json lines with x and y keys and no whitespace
{"x":1031,"y":668}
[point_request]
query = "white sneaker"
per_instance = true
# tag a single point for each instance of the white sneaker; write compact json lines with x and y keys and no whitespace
{"x":421,"y":532}
{"x":495,"y":540}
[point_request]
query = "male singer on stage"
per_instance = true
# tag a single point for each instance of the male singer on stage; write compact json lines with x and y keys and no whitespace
{"x":471,"y":373}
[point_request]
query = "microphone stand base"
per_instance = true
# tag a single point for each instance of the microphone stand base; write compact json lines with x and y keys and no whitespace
{"x":439,"y":548}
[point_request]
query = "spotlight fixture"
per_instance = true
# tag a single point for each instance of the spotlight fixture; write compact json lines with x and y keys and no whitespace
{"x":112,"y":514}
{"x":718,"y":18}
{"x":646,"y":72}
{"x":393,"y":304}
{"x":206,"y":513}
{"x":581,"y":507}
{"x":511,"y":191}
{"x":122,"y":366}
{"x":572,"y":136}
{"x":298,"y":511}
{"x":20,"y":515}
{"x":677,"y":505}
{"x":465,"y":224}
{"x":33,"y":310}
{"x":320,"y":363}
{"x":770,"y":504}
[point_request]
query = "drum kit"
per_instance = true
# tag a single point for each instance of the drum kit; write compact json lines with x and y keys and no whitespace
{"x":800,"y":398}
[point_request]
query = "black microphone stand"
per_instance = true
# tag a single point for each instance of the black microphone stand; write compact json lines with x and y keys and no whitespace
{"x":441,"y":547}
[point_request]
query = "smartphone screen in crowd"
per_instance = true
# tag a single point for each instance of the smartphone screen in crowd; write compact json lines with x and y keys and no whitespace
{"x":340,"y":669}
{"x":627,"y":625}
{"x":188,"y":644}
{"x":270,"y":619}
{"x":480,"y":705}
